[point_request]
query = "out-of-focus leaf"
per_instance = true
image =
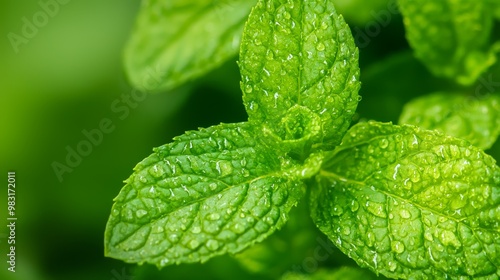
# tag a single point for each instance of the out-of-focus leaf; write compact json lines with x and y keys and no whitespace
{"x":476,"y":119}
{"x":451,"y":37}
{"x":177,"y":40}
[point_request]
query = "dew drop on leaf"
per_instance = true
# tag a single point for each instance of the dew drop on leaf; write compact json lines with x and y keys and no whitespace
{"x":156,"y":171}
{"x":337,"y":210}
{"x":141,"y":213}
{"x":405,"y":214}
{"x":212,"y":245}
{"x":238,"y":228}
{"x":392,"y":266}
{"x":384,"y":143}
{"x":193,"y":244}
{"x":196,"y":230}
{"x":213,"y":217}
{"x":354,"y":206}
{"x":212,"y":186}
{"x":397,"y":247}
{"x":224,"y":167}
{"x":320,"y":47}
{"x":346,"y":231}
{"x":248,"y":89}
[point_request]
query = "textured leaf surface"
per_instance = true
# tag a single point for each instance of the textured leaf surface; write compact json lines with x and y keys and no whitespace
{"x":474,"y":119}
{"x":450,"y":37}
{"x":299,"y":54}
{"x":209,"y":192}
{"x":411,"y":203}
{"x":177,"y":40}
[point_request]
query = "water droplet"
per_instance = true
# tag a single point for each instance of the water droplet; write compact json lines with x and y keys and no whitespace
{"x":354,"y":206}
{"x":248,"y":89}
{"x":320,"y":47}
{"x":392,"y":266}
{"x":243,"y":162}
{"x":286,"y":15}
{"x":346,"y":231}
{"x":115,"y":212}
{"x":193,"y":244}
{"x":376,"y":209}
{"x":370,"y":239}
{"x":159,"y":229}
{"x":257,"y":42}
{"x":212,"y":245}
{"x":196,"y":230}
{"x":449,"y":238}
{"x":397,"y":247}
{"x":141,"y":213}
{"x":428,"y":236}
{"x":391,"y":216}
{"x":384,"y":143}
{"x":156,"y":171}
{"x":143,"y":179}
{"x":224,"y":167}
{"x":270,"y":55}
{"x":152,"y":191}
{"x":405,"y":214}
{"x":164,"y":262}
{"x":238,"y":228}
{"x":324,"y":25}
{"x":174,"y":237}
{"x":245,"y":172}
{"x":415,"y":177}
{"x":213,"y":217}
{"x":337,"y":210}
{"x":212,"y":186}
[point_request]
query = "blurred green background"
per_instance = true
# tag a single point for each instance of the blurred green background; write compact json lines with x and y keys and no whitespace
{"x":67,"y":77}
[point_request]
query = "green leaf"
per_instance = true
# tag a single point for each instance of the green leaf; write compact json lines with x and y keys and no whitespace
{"x":209,"y":192}
{"x":411,"y":203}
{"x":343,"y":273}
{"x":300,"y":56}
{"x":174,"y":41}
{"x":476,"y":119}
{"x":450,"y":37}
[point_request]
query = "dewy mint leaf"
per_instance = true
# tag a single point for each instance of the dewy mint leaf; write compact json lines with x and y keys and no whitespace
{"x":209,"y":192}
{"x":450,"y":37}
{"x":476,"y":119}
{"x":411,"y":203}
{"x":300,"y":56}
{"x":177,"y":40}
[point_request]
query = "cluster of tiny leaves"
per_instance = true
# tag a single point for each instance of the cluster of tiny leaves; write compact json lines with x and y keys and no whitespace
{"x":221,"y":189}
{"x":300,"y":54}
{"x":206,"y":34}
{"x":412,"y":203}
{"x":476,"y":119}
{"x":451,"y":37}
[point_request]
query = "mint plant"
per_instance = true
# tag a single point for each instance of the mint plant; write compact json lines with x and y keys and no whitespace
{"x":418,"y":200}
